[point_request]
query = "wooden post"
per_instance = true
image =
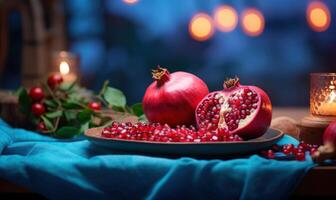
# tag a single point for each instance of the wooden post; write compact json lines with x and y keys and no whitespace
{"x":38,"y":41}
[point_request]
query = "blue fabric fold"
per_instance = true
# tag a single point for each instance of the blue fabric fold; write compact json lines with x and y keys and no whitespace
{"x":77,"y":169}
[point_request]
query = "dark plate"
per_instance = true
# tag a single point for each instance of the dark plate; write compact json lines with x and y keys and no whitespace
{"x":186,"y":148}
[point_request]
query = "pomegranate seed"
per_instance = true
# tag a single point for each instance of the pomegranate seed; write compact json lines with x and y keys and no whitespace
{"x":312,"y":151}
{"x":288,"y":149}
{"x":300,"y":156}
{"x":276,"y":148}
{"x":270,"y":154}
{"x":164,"y":133}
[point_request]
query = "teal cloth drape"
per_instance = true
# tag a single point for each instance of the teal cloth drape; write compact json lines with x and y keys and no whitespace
{"x":77,"y":169}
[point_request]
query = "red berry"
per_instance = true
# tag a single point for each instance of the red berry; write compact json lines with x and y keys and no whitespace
{"x":38,"y":109}
{"x":41,"y":126}
{"x":54,"y":80}
{"x":36,"y":93}
{"x":94,"y":105}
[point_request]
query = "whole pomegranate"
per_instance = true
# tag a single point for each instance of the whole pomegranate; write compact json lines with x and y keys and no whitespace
{"x":328,"y":149}
{"x":242,"y":110}
{"x":172,"y":98}
{"x":329,"y":135}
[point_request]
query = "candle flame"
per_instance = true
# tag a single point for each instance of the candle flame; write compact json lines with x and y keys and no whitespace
{"x":332,"y":96}
{"x":64,"y":68}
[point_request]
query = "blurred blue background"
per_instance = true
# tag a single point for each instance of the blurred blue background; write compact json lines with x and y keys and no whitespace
{"x":122,"y":42}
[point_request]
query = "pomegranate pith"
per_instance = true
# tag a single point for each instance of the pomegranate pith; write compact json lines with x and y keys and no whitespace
{"x":242,"y":110}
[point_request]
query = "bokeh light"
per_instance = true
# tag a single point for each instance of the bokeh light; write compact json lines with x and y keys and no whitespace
{"x":201,"y":27}
{"x":64,"y":68}
{"x":318,"y":16}
{"x":226,"y":18}
{"x":130,"y":1}
{"x":253,"y":22}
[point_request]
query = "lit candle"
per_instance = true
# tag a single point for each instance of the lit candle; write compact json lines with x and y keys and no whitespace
{"x":68,"y":76}
{"x":323,"y":94}
{"x":67,"y":65}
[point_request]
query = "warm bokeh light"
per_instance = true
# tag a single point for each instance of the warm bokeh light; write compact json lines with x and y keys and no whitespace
{"x":226,"y":18}
{"x":64,"y":68}
{"x":130,"y":1}
{"x":201,"y":27}
{"x":318,"y":16}
{"x":253,"y":22}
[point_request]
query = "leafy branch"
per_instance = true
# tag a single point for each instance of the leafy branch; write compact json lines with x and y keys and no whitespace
{"x":68,"y":112}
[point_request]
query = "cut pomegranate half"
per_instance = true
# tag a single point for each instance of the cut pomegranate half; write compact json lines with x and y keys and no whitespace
{"x":238,"y":109}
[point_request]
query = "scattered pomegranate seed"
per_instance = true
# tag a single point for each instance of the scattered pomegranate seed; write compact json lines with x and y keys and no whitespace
{"x":164,"y":133}
{"x":300,"y":156}
{"x":288,"y":149}
{"x":270,"y":154}
{"x":276,"y":148}
{"x":299,"y":152}
{"x":312,"y":151}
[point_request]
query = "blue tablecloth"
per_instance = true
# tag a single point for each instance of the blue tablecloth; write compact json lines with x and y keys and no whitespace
{"x":77,"y":169}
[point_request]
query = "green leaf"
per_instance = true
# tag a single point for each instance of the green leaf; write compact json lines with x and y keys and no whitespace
{"x":71,"y":105}
{"x":84,"y":116}
{"x":52,"y":115}
{"x":137,"y":109}
{"x":67,"y":86}
{"x":114,"y":97}
{"x":70,"y":115}
{"x":67,"y":132}
{"x":48,"y":123}
{"x":105,"y":85}
{"x":143,"y":118}
{"x":83,"y":127}
{"x":18,"y":91}
{"x":118,"y":109}
{"x":105,"y":121}
{"x":24,"y":101}
{"x":50,"y":103}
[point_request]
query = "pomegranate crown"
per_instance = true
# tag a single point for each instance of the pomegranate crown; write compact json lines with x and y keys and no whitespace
{"x":160,"y":74}
{"x":231,"y":82}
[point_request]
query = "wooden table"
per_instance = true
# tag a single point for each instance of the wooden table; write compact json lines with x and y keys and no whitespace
{"x":316,"y":184}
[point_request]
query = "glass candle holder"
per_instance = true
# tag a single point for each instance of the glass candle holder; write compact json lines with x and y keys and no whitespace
{"x":323,"y":94}
{"x":67,"y":64}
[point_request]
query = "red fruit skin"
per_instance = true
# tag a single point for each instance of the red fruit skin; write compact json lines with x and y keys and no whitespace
{"x":94,"y":106}
{"x":38,"y":109}
{"x":260,"y":122}
{"x":36,"y":93}
{"x":174,"y":101}
{"x":329,"y":135}
{"x":54,"y":80}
